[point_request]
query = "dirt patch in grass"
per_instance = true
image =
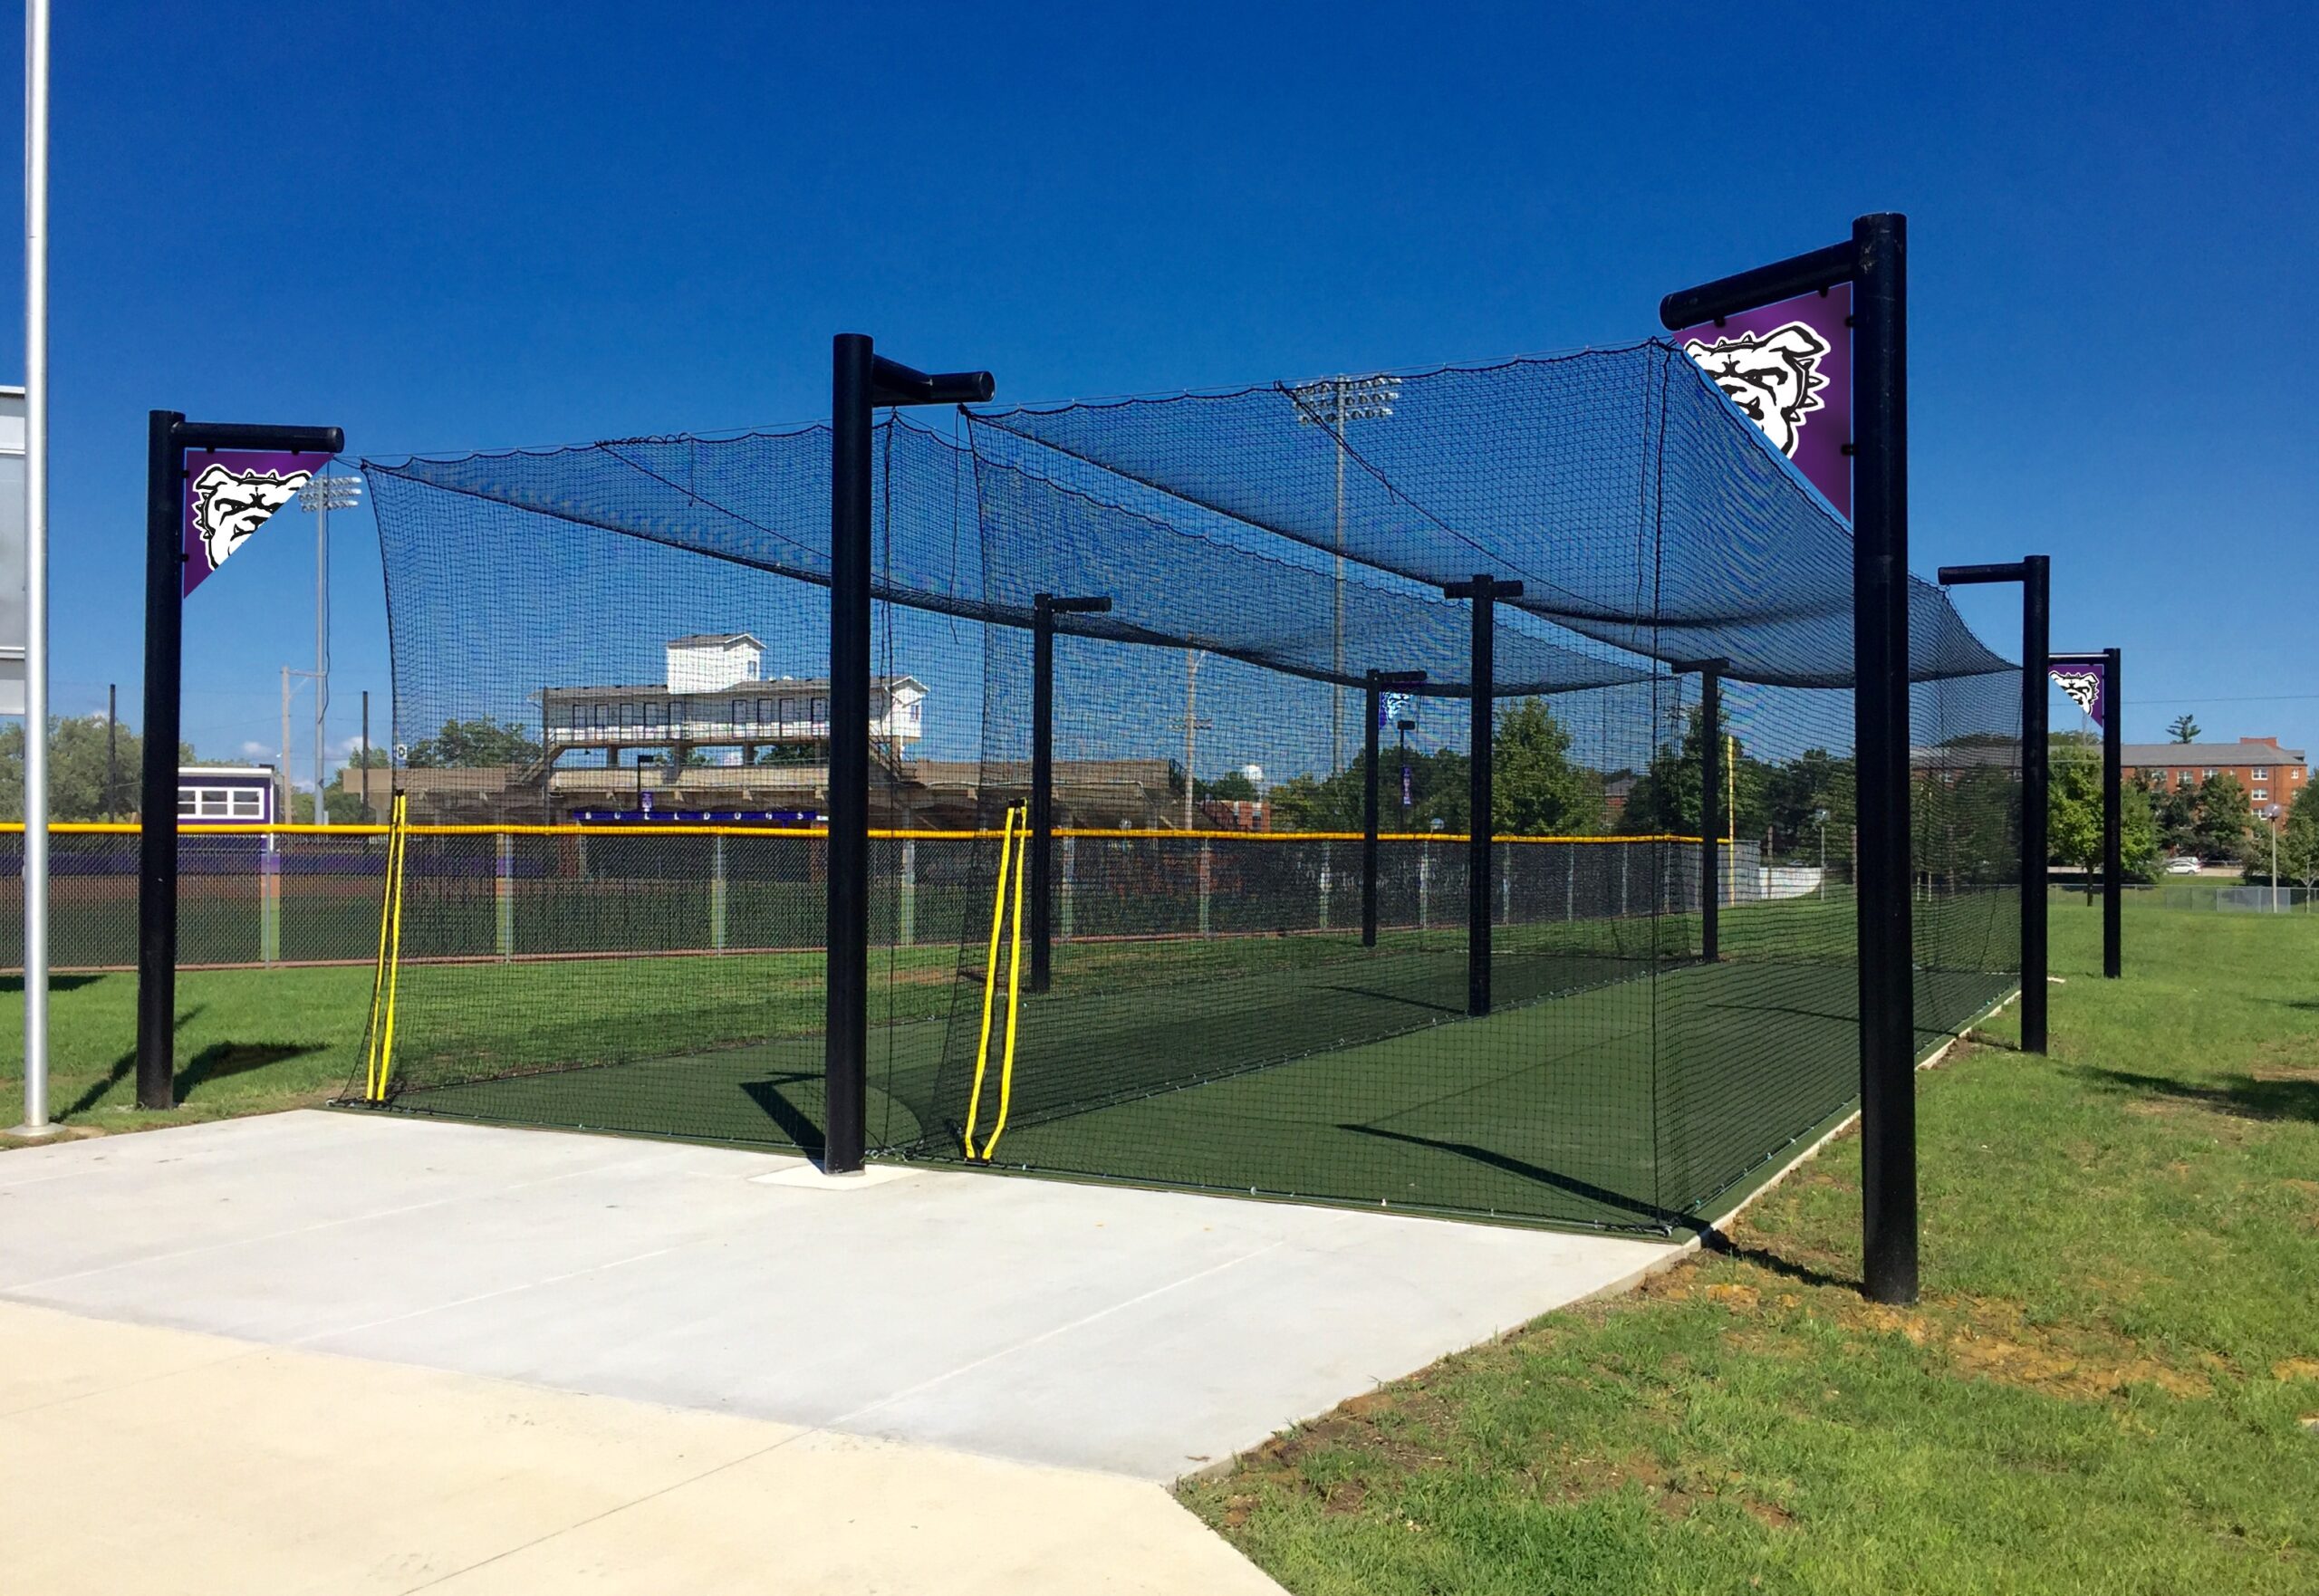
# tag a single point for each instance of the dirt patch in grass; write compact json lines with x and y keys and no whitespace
{"x":1996,"y":1340}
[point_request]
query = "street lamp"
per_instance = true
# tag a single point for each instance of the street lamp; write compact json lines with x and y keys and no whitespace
{"x":319,"y":496}
{"x":1333,"y":402}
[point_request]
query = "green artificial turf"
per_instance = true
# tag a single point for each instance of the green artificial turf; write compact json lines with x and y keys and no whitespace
{"x":2112,"y":1383}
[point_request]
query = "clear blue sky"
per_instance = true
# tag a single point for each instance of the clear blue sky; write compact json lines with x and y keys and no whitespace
{"x":459,"y":226}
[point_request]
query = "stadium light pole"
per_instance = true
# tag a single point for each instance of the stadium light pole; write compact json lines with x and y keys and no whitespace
{"x":1378,"y":682}
{"x":1045,"y":608}
{"x":318,"y":498}
{"x":861,"y":381}
{"x":2034,"y":574}
{"x":1333,"y":402}
{"x":1485,"y":591}
{"x":1874,"y":260}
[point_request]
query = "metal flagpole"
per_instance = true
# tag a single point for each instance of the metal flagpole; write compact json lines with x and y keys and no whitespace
{"x":35,"y":1121}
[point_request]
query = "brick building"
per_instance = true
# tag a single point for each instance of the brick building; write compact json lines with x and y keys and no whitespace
{"x":2271,"y":776}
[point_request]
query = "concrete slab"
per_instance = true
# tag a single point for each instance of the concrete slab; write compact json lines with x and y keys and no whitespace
{"x":1141,"y":1333}
{"x":137,"y":1458}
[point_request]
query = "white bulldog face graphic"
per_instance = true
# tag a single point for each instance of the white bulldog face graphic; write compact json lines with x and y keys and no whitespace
{"x":228,"y":505}
{"x":1773,"y":376}
{"x":2084,"y":688}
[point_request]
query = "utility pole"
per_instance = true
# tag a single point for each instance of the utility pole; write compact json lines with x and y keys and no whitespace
{"x":1193,"y":726}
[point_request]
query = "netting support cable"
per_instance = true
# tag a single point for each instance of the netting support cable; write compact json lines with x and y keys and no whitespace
{"x":2034,"y":574}
{"x":1485,"y":591}
{"x":860,"y":380}
{"x":1045,"y":608}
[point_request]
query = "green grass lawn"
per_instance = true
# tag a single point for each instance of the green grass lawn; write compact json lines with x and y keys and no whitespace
{"x":2112,"y":1382}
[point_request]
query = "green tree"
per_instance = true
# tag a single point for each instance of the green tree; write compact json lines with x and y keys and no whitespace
{"x":2299,"y":840}
{"x":77,"y":770}
{"x":1534,"y":789}
{"x":2182,"y":728}
{"x":2175,"y":810}
{"x":468,"y":743}
{"x":2225,"y":818}
{"x":2074,"y":818}
{"x":1797,"y":793}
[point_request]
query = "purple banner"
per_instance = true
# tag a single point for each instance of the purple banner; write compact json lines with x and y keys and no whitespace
{"x":2086,"y":681}
{"x":1788,"y":366}
{"x":229,"y":494}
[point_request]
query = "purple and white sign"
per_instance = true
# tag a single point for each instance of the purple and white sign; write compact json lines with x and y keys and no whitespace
{"x":229,"y":494}
{"x":2086,"y":681}
{"x":1789,"y":367}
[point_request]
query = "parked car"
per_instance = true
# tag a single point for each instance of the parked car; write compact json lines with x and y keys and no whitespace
{"x":2185,"y":865}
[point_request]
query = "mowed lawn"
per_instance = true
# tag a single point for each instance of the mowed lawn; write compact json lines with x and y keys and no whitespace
{"x":2111,"y":1384}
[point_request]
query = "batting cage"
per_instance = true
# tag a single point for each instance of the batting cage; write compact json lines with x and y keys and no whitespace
{"x":1177,"y":871}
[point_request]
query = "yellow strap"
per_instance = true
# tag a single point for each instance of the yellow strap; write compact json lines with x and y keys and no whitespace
{"x":1014,"y":1009}
{"x":394,"y":963}
{"x":990,"y":975}
{"x":379,"y":977}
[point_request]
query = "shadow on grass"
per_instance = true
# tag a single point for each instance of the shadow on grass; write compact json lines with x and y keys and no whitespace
{"x":122,"y":1067}
{"x":223,"y":1059}
{"x":14,"y":985}
{"x":1723,"y":1247}
{"x":2242,"y":1096}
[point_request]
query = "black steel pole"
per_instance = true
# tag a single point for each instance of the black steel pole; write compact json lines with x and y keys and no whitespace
{"x":1880,"y":742}
{"x":1485,"y":591}
{"x":366,"y":754}
{"x":846,"y":1027}
{"x":1369,"y":849}
{"x":2113,"y":797}
{"x":1711,"y":815}
{"x":156,"y":843}
{"x":1041,"y":784}
{"x":2036,"y":781}
{"x":860,"y":379}
{"x":1480,"y":799}
{"x":2034,"y":574}
{"x":113,"y":752}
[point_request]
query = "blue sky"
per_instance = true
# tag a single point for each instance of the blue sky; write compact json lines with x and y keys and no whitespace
{"x":448,"y":227}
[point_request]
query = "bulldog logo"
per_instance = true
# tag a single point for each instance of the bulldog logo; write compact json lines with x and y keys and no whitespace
{"x":228,"y":505}
{"x":1773,"y":376}
{"x":2084,"y":688}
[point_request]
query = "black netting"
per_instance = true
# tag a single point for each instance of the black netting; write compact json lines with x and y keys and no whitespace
{"x":611,"y":668}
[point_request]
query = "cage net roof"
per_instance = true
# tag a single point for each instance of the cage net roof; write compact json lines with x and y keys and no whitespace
{"x":1649,"y":521}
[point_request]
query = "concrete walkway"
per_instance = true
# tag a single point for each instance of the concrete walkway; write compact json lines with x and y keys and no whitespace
{"x":326,"y":1351}
{"x":172,"y":1464}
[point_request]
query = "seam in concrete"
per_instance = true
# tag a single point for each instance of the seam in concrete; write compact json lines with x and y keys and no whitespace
{"x":1047,"y":1335}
